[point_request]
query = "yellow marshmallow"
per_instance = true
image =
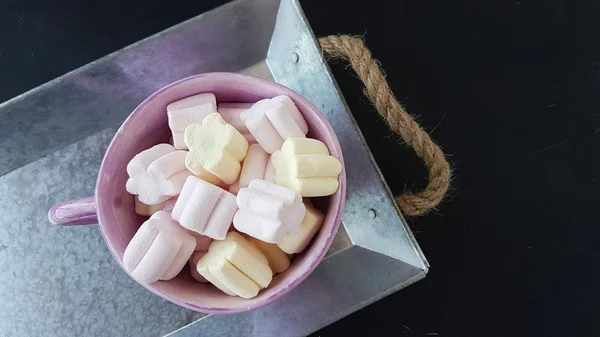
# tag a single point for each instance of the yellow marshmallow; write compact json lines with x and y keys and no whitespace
{"x":237,"y":238}
{"x":304,"y":146}
{"x":295,"y":243}
{"x":235,"y":266}
{"x":216,"y":147}
{"x":305,"y":166}
{"x":203,"y":269}
{"x":234,"y":279}
{"x":278,"y":260}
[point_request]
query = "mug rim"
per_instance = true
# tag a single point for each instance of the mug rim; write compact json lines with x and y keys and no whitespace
{"x":341,"y":193}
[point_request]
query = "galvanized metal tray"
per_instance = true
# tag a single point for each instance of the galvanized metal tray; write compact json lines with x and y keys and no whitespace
{"x":63,"y":281}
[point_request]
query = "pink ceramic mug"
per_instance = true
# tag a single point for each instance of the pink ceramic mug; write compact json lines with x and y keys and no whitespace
{"x":113,"y":208}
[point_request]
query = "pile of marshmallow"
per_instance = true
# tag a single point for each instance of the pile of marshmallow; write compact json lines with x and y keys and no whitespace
{"x":244,"y":164}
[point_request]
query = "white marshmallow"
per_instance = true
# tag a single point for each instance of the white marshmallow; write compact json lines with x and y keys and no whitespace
{"x":272,"y":121}
{"x":159,"y":249}
{"x":204,"y":208}
{"x":157,"y":174}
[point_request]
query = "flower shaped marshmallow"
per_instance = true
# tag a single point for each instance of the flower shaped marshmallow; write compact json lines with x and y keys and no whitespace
{"x":216,"y":147}
{"x":157,"y":174}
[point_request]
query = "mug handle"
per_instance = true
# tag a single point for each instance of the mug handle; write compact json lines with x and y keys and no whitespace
{"x":75,"y":212}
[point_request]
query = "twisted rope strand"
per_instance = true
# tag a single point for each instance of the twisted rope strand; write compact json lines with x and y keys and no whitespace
{"x":352,"y":49}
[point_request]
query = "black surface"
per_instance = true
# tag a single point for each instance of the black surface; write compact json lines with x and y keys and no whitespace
{"x":508,"y":88}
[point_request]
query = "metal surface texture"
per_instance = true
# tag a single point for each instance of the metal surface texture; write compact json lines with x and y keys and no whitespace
{"x":63,"y":281}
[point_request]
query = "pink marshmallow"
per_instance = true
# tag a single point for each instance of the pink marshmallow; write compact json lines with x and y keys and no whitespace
{"x":193,"y":101}
{"x":190,"y":110}
{"x":293,"y":111}
{"x":267,"y":211}
{"x":250,"y":138}
{"x":272,"y":121}
{"x":204,"y":208}
{"x":239,"y":106}
{"x":157,"y":174}
{"x":202,"y":242}
{"x":254,"y":166}
{"x":159,"y":249}
{"x":235,"y":187}
{"x":179,"y":139}
{"x":148,"y":210}
{"x":194,"y":266}
{"x":231,"y":113}
{"x":283,"y":122}
{"x":270,"y":171}
{"x":169,"y":205}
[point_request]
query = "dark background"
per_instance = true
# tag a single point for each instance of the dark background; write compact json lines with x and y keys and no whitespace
{"x":507,"y":88}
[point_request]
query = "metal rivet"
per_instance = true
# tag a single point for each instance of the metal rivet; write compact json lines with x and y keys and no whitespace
{"x":295,"y":57}
{"x":372,"y":214}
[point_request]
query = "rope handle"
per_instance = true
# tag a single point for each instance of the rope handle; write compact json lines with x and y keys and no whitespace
{"x":352,"y":49}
